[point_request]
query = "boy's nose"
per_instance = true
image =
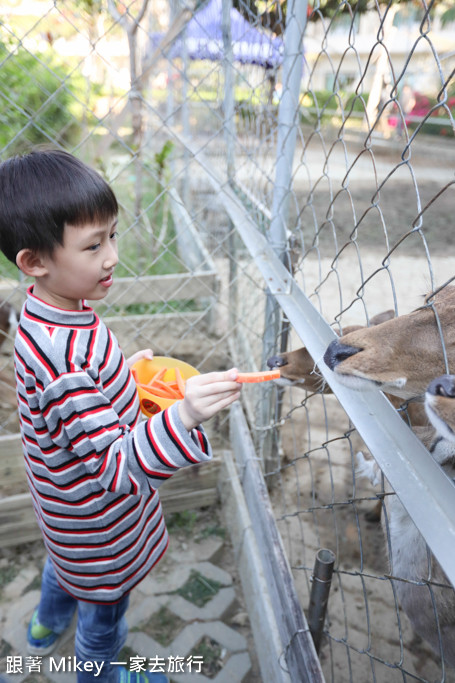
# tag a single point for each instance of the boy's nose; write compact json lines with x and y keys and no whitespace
{"x":111,"y":259}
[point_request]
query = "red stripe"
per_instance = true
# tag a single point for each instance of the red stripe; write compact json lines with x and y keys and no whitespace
{"x":118,"y":461}
{"x":46,"y":451}
{"x":86,"y":309}
{"x":43,"y":496}
{"x":73,"y":337}
{"x":36,"y":353}
{"x":49,"y":451}
{"x":84,"y":391}
{"x":144,"y":520}
{"x":80,"y":417}
{"x":200,"y":438}
{"x":130,"y":403}
{"x":114,"y":602}
{"x":128,"y":578}
{"x":108,"y":350}
{"x":156,"y":448}
{"x":121,"y":569}
{"x":134,"y":485}
{"x":68,"y":487}
{"x":27,"y":372}
{"x":176,"y":438}
{"x":115,"y":375}
{"x":82,"y":518}
{"x":91,"y":350}
{"x":126,"y":386}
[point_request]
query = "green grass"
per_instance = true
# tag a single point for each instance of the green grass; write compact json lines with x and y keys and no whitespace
{"x":163,"y":626}
{"x":211,"y":530}
{"x":8,"y":269}
{"x":198,"y":589}
{"x":210,"y":653}
{"x":182,"y":521}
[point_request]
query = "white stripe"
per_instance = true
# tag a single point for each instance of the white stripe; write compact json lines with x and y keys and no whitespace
{"x":114,"y":592}
{"x":164,"y":448}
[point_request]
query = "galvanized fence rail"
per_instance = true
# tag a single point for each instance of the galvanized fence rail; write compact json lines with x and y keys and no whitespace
{"x":284,"y":170}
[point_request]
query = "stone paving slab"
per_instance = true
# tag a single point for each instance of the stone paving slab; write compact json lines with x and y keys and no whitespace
{"x":156,"y":591}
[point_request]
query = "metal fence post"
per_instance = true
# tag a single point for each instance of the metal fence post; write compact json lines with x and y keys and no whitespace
{"x":229,"y":138}
{"x":319,"y":597}
{"x":288,"y":118}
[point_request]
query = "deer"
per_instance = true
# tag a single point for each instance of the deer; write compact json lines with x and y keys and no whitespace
{"x":429,"y":607}
{"x":440,"y":406}
{"x":298,"y":368}
{"x":402,"y":356}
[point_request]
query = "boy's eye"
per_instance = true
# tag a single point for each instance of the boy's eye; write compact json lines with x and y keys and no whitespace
{"x":114,"y":235}
{"x":93,"y":247}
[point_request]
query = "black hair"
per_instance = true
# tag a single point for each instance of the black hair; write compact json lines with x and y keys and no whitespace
{"x":43,"y":191}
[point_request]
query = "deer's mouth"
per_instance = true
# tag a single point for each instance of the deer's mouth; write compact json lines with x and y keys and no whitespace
{"x":355,"y":379}
{"x":342,"y":359}
{"x":288,"y":375}
{"x":440,"y":405}
{"x":438,"y":422}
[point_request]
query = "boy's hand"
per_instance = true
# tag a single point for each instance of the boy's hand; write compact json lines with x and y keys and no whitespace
{"x":207,"y":394}
{"x":139,"y":355}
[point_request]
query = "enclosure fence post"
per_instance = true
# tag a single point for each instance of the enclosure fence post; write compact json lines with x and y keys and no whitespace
{"x":288,"y":118}
{"x":229,"y":139}
{"x":319,"y":596}
{"x":185,"y":122}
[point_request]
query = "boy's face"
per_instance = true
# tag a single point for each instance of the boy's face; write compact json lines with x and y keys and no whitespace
{"x":81,"y":268}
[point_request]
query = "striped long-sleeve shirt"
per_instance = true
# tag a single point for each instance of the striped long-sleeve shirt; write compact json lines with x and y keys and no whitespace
{"x":93,"y":465}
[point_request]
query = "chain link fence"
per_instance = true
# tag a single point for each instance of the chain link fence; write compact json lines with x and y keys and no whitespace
{"x":284,"y":171}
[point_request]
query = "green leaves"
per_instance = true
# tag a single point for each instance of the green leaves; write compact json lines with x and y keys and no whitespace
{"x":38,"y":100}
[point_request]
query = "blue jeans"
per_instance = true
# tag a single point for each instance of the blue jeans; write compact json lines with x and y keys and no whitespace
{"x":101,"y":629}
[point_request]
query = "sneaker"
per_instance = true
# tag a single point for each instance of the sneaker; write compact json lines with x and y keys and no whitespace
{"x":40,"y":640}
{"x":143,"y":677}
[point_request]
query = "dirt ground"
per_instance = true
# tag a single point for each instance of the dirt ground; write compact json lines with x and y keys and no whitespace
{"x":399,"y":205}
{"x":321,"y":502}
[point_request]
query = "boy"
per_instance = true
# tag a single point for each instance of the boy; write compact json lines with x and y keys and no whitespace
{"x":93,"y":465}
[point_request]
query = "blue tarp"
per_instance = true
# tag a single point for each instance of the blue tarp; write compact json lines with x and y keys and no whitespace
{"x":204,"y":39}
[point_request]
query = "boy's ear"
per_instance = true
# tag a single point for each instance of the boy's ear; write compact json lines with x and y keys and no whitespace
{"x":30,"y":263}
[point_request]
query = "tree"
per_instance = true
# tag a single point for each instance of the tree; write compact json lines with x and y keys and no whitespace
{"x":131,"y":25}
{"x":273,"y":16}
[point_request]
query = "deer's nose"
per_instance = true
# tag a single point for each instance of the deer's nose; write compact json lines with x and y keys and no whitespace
{"x":338,"y":352}
{"x":442,"y":386}
{"x":276,"y":362}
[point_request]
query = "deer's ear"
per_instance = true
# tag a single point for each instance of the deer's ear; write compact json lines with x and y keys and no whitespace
{"x":31,"y":263}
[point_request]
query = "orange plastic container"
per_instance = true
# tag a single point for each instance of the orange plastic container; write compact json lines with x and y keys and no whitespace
{"x":145,"y":369}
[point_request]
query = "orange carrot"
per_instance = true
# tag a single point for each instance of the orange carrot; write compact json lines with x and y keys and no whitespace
{"x":161,"y":388}
{"x":158,"y":391}
{"x":174,"y":389}
{"x":143,"y":386}
{"x":180,"y":382}
{"x":262,"y":376}
{"x":164,"y":386}
{"x":158,"y":375}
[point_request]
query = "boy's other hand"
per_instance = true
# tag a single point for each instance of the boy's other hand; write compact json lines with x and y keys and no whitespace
{"x":207,"y":394}
{"x":139,"y":355}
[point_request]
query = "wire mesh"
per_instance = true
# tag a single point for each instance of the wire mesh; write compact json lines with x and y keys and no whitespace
{"x":365,"y":213}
